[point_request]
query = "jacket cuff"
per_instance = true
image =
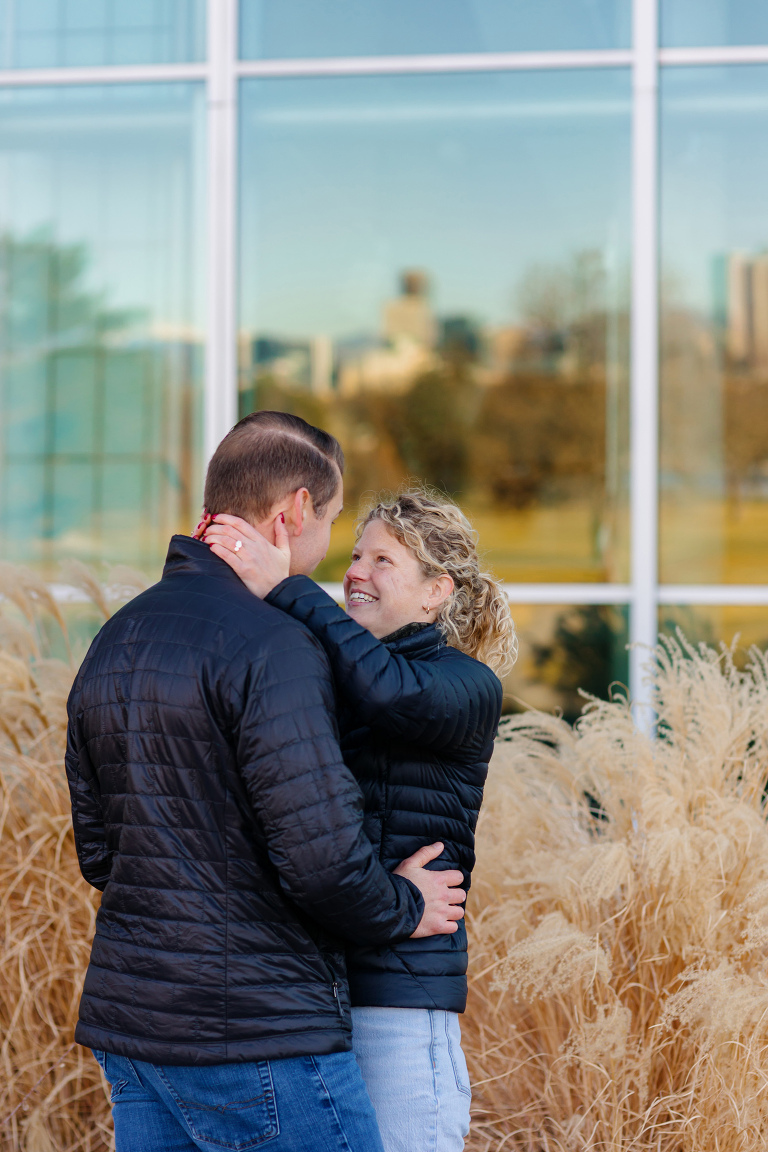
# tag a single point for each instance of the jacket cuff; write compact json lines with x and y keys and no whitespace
{"x":414,"y":897}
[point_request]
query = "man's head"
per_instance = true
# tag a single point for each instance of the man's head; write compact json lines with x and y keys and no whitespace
{"x":272,"y":463}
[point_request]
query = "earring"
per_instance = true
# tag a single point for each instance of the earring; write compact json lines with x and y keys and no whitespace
{"x":426,"y":608}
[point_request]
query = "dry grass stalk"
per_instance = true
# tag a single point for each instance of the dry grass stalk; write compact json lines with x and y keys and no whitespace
{"x":619,"y":923}
{"x":47,"y":909}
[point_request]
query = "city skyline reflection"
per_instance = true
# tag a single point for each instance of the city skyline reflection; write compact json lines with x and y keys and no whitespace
{"x":450,"y":295}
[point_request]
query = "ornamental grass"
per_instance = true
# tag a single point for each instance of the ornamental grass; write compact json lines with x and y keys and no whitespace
{"x":619,"y":922}
{"x":52,"y":1096}
{"x":618,"y":918}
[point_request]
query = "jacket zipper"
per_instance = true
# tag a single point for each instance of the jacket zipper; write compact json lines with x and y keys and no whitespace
{"x":335,"y":988}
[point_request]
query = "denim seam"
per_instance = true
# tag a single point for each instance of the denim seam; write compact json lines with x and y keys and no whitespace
{"x":435,"y":1086}
{"x":342,"y":1133}
{"x":459,"y":1085}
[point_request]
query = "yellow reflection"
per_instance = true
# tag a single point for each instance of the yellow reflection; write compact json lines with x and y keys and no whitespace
{"x":559,"y":542}
{"x":714,"y":541}
{"x":716,"y":624}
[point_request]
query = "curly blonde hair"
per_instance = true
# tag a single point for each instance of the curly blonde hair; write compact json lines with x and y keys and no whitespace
{"x":475,"y":618}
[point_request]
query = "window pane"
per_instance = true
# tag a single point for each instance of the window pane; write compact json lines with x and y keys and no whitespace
{"x":713,"y":22}
{"x":565,"y":649}
{"x":718,"y":624}
{"x":101,"y":214}
{"x":714,"y":445}
{"x":296,"y":28}
{"x":436,"y":268}
{"x":71,"y":33}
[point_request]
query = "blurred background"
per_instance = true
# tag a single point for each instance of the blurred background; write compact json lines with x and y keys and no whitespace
{"x":517,"y":248}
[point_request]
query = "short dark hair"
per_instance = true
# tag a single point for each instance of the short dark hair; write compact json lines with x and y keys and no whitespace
{"x":267,"y":456}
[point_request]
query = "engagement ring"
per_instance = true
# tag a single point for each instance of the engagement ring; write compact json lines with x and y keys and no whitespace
{"x":238,"y":545}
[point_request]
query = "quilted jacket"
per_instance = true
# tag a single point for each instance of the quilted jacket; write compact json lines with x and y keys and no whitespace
{"x":417,"y":719}
{"x":212,"y":808}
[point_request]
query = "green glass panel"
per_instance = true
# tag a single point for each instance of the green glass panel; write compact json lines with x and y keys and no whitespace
{"x":696,"y":23}
{"x":437,"y":269}
{"x":311,"y":28}
{"x":714,"y":331}
{"x":101,"y":374}
{"x":82,"y":33}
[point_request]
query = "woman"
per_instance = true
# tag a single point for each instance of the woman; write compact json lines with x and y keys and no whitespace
{"x":419,"y":704}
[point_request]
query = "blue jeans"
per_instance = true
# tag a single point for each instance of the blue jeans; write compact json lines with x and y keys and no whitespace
{"x":309,"y":1102}
{"x":416,"y":1075}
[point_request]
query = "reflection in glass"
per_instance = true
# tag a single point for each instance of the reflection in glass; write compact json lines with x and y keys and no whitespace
{"x":714,"y":420}
{"x":435,"y":267}
{"x":694,"y":23}
{"x":100,"y":320}
{"x":69,"y":33}
{"x":564,"y":651}
{"x":296,"y":28}
{"x":718,"y":624}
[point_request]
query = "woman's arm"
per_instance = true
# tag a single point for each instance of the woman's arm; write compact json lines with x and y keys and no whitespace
{"x":432,"y":703}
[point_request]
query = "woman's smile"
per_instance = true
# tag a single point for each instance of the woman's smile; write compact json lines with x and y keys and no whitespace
{"x":356,"y":596}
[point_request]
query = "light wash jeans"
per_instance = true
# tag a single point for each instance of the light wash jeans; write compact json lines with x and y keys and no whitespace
{"x":416,"y":1075}
{"x":316,"y":1103}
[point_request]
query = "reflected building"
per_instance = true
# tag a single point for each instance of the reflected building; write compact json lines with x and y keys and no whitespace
{"x":406,"y":348}
{"x":504,"y":345}
{"x":409,"y":317}
{"x":741,"y":308}
{"x":302,"y":363}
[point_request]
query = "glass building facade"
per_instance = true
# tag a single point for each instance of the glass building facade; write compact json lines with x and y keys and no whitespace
{"x":519,"y":251}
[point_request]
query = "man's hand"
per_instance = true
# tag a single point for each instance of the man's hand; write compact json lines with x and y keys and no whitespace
{"x":442,"y":897}
{"x":260,"y":565}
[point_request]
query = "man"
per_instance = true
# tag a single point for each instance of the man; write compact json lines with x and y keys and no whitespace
{"x":212,"y":808}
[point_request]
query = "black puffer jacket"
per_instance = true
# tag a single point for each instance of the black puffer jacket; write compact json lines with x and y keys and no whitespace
{"x":418,"y":719}
{"x":211,"y":806}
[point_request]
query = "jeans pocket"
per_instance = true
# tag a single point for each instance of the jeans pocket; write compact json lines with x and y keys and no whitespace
{"x":227,"y":1105}
{"x":456,"y":1052}
{"x":120,"y":1074}
{"x":113,"y":1071}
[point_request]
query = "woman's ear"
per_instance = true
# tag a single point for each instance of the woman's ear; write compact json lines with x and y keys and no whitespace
{"x":441,"y":590}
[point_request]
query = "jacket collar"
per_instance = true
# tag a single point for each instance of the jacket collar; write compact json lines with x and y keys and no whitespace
{"x":415,"y":640}
{"x":186,"y":554}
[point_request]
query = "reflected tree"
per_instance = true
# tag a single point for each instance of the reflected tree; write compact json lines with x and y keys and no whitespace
{"x":99,"y":413}
{"x":507,"y":418}
{"x":587,"y":653}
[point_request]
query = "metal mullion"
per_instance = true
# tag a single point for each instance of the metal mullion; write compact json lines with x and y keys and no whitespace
{"x":644,"y":398}
{"x":736,"y":54}
{"x":748,"y":595}
{"x":568,"y":593}
{"x":565,"y":594}
{"x":452,"y":62}
{"x":117,"y":74}
{"x":220,"y":408}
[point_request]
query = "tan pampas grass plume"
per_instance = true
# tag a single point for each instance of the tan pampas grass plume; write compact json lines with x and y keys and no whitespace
{"x":619,"y":923}
{"x":52,"y":1097}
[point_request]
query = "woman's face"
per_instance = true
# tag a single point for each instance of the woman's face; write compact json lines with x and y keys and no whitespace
{"x":385,"y":587}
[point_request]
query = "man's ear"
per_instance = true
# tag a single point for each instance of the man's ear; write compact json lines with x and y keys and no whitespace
{"x":296,"y":511}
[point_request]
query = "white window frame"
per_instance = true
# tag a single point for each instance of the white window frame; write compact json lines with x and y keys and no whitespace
{"x":222,"y":71}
